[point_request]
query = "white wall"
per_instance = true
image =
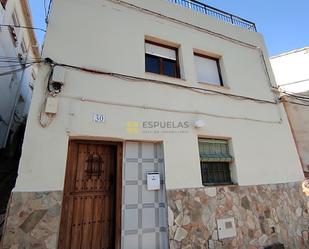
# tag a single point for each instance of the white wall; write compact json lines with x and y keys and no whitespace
{"x":292,"y":75}
{"x":291,"y":70}
{"x":111,"y":37}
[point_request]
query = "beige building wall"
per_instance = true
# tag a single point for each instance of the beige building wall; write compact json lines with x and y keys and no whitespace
{"x":292,"y":75}
{"x":266,"y":203}
{"x":110,"y":37}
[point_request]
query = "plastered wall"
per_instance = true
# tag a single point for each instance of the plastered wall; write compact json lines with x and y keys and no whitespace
{"x":110,"y":36}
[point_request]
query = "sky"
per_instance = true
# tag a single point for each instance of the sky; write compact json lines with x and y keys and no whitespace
{"x":284,"y":23}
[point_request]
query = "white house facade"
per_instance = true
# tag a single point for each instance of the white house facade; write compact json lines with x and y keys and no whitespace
{"x":17,"y":47}
{"x":155,"y":125}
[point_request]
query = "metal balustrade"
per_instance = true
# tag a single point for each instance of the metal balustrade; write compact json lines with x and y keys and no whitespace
{"x":214,"y":12}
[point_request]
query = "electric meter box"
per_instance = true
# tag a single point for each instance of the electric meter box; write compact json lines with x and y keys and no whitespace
{"x":226,"y":228}
{"x":51,"y":105}
{"x":153,"y":180}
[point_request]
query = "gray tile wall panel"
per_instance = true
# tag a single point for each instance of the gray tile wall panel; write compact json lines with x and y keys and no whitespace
{"x":144,"y":214}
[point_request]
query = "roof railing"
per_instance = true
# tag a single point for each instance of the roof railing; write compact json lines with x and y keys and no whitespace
{"x":214,"y":12}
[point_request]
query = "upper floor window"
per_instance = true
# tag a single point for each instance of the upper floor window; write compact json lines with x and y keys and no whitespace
{"x":208,"y":69}
{"x":13,"y":35}
{"x":12,"y":28}
{"x":215,"y":161}
{"x":3,"y":2}
{"x":161,"y":59}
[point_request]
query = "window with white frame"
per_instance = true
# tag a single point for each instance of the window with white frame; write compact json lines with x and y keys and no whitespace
{"x":208,"y":69}
{"x":161,"y":59}
{"x":215,"y":161}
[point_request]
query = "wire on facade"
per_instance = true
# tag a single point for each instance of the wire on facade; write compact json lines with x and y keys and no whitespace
{"x":22,"y":27}
{"x":292,"y":95}
{"x":135,"y":78}
{"x":295,"y":103}
{"x":23,"y":66}
{"x":48,"y":11}
{"x":144,"y":107}
{"x":14,"y":66}
{"x":17,"y":60}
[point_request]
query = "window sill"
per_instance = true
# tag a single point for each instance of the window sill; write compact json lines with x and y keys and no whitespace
{"x":220,"y":185}
{"x":205,"y":85}
{"x":155,"y":76}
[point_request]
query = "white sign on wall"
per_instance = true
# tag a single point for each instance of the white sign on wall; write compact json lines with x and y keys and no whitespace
{"x":153,"y":181}
{"x":98,"y":118}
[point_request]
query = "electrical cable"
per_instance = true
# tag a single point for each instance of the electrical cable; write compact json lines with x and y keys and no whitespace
{"x":144,"y":107}
{"x":22,"y":27}
{"x":18,"y":60}
{"x":15,"y":58}
{"x":18,"y":69}
{"x":13,"y":71}
{"x":294,"y":103}
{"x":49,"y":79}
{"x":135,"y":78}
{"x":8,"y":58}
{"x":292,"y":83}
{"x":45,"y":119}
{"x":10,"y":66}
{"x":295,"y":96}
{"x":297,"y":101}
{"x":48,"y":11}
{"x":16,"y":65}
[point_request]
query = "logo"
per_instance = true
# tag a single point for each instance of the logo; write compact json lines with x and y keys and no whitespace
{"x":132,"y":127}
{"x":157,"y":127}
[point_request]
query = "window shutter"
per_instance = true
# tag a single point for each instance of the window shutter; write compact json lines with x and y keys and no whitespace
{"x":160,"y":51}
{"x":212,"y":150}
{"x":207,"y":70}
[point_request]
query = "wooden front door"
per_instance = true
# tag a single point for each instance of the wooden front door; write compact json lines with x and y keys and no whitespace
{"x":89,"y":211}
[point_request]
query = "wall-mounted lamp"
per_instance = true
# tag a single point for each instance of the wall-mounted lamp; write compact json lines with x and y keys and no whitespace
{"x":199,"y":123}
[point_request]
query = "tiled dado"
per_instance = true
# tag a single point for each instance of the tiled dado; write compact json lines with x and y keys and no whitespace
{"x":33,"y":220}
{"x":263,"y":215}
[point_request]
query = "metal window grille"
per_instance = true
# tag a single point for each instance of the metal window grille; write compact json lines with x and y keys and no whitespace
{"x":275,"y":246}
{"x":215,"y":161}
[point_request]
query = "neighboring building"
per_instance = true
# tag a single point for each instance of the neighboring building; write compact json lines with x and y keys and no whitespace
{"x":18,"y":49}
{"x":160,"y":130}
{"x":292,"y":76}
{"x":16,"y":46}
